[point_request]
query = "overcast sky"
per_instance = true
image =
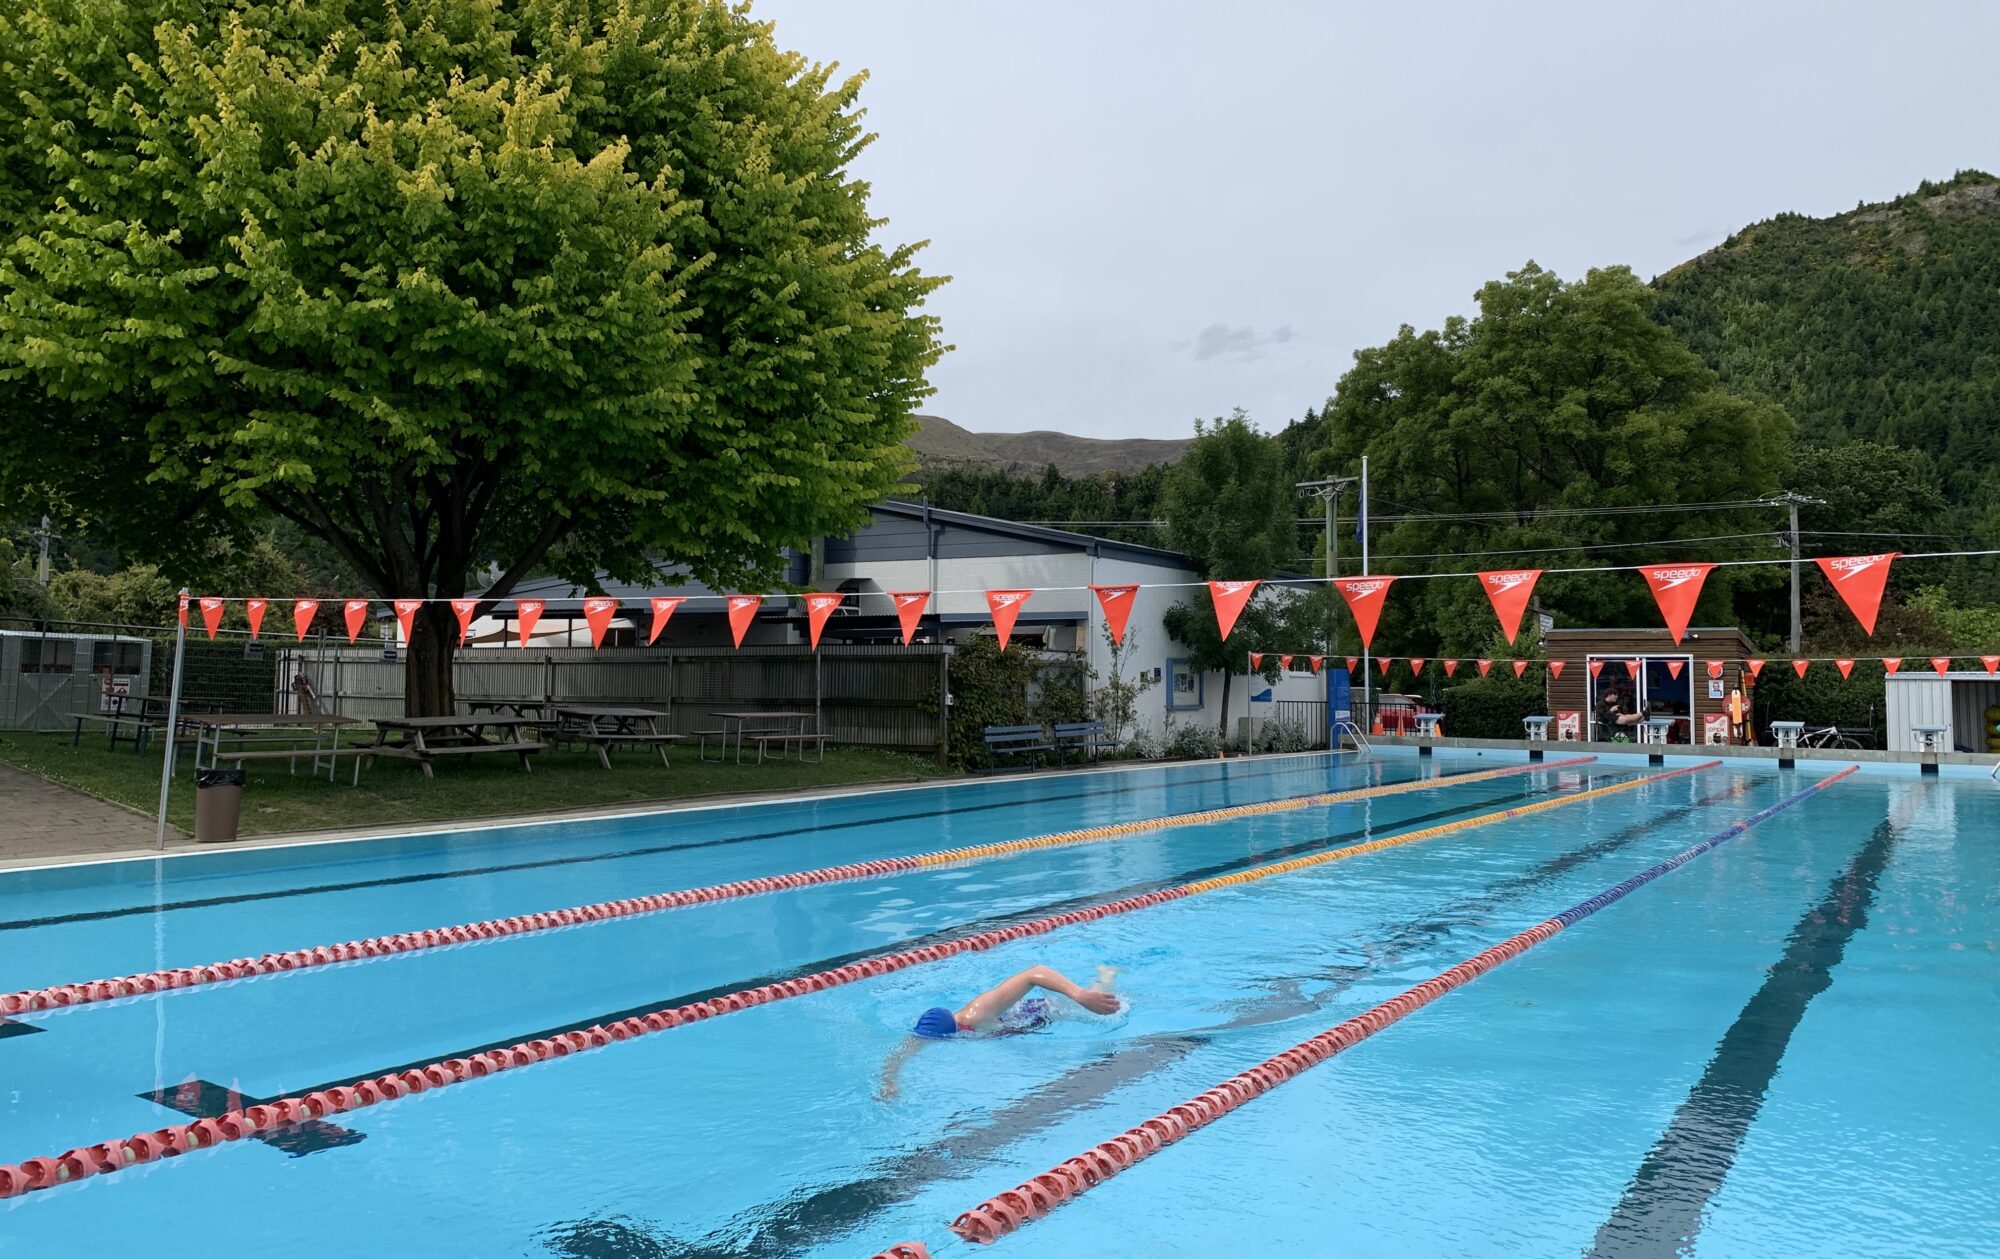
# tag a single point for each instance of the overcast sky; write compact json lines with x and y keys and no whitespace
{"x":1158,"y":210}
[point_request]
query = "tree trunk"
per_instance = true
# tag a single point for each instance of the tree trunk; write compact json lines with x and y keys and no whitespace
{"x":427,"y":685}
{"x":1223,"y":747}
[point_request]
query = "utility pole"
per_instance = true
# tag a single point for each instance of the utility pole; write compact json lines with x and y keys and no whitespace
{"x":1328,"y":492}
{"x":1792,"y":501}
{"x":42,"y":565}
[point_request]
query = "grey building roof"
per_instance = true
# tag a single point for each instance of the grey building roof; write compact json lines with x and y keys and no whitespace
{"x":895,"y":530}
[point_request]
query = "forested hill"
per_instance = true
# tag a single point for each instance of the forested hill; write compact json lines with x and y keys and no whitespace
{"x":1881,"y":324}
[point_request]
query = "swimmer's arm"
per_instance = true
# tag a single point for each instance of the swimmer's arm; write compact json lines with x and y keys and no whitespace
{"x":893,"y":1068}
{"x":992,"y":1003}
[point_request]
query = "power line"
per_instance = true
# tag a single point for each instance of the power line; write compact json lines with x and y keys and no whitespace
{"x":1515,"y":517}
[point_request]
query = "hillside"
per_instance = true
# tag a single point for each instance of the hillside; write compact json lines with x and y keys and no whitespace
{"x":941,"y":444}
{"x":1881,"y":324}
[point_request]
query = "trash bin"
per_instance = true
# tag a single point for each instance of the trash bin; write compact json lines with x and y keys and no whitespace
{"x":218,"y":799}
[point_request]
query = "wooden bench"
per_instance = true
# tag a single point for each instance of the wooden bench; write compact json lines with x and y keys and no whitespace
{"x":359,"y":751}
{"x":764,"y":742}
{"x":1028,"y":741}
{"x":1083,"y":736}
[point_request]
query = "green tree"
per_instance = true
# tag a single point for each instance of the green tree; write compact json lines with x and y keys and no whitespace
{"x":551,"y":285}
{"x":1555,"y":396}
{"x":1228,"y":506}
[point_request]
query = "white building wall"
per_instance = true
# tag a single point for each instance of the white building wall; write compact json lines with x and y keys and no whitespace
{"x":960,"y":585}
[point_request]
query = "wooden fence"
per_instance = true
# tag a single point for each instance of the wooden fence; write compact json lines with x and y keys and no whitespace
{"x":889,"y":697}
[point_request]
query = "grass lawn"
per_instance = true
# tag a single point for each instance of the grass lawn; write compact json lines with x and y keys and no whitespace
{"x":394,"y":791}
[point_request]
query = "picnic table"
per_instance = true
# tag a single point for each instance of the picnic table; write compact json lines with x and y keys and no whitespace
{"x":536,"y":708}
{"x":424,"y":739}
{"x":605,"y":728}
{"x":286,"y":737}
{"x":133,"y":718}
{"x":783,"y":728}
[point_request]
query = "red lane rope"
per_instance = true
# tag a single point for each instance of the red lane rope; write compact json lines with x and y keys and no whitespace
{"x":1007,"y":1211}
{"x":111,"y":1156}
{"x":83,"y":992}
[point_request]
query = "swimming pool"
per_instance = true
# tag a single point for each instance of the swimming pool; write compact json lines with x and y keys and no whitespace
{"x":1785,"y":1046}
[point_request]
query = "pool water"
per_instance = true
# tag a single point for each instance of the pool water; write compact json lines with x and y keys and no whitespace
{"x":1787,"y":1046}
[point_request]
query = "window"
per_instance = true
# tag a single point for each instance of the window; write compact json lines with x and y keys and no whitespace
{"x":118,"y":659}
{"x":48,"y":655}
{"x":1184,"y":685}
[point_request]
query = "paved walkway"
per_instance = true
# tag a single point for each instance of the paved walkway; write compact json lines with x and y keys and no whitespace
{"x":41,"y":821}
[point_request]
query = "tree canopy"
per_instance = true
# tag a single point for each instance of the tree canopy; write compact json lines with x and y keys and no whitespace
{"x":1555,"y":396}
{"x":553,"y":285}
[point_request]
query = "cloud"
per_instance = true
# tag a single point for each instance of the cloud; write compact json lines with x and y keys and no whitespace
{"x":1242,"y":345}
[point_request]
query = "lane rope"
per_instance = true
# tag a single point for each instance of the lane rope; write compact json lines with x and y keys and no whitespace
{"x":59,"y":996}
{"x":1033,"y":1198}
{"x":111,"y":1156}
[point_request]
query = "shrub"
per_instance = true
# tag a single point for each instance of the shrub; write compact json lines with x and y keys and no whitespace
{"x":1145,"y":745}
{"x":1281,"y":734}
{"x":1195,"y":739}
{"x":989,"y":687}
{"x":1491,"y":707}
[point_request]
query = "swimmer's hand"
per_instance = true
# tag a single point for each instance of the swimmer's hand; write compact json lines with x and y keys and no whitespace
{"x":1098,"y":1002}
{"x":887,"y":1092}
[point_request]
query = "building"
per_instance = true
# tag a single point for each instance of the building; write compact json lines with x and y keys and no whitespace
{"x":959,"y":557}
{"x":1692,"y":681}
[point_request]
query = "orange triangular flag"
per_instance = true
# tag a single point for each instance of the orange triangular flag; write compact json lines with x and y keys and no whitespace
{"x":663,"y":611}
{"x":211,"y":615}
{"x":1117,"y":604}
{"x":1555,"y":668}
{"x":1229,"y":597}
{"x":1674,"y":669}
{"x":819,"y":608}
{"x":1417,"y":663}
{"x":742,"y":611}
{"x":1256,"y":661}
{"x":254,"y":610}
{"x":463,"y":610}
{"x":1005,"y":605}
{"x":1891,"y":664}
{"x":356,"y":612}
{"x":1845,"y":665}
{"x":597,"y":614}
{"x":1755,"y":666}
{"x":1365,"y":596}
{"x":1676,"y":587}
{"x":1800,"y":666}
{"x":406,"y":612}
{"x":909,"y":610}
{"x":1942,"y":664}
{"x":1520,"y":667}
{"x":1485,"y":667}
{"x":526,"y":613}
{"x":303,"y":612}
{"x":1859,"y":581}
{"x":1509,"y":591}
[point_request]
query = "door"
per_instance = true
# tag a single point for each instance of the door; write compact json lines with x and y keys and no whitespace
{"x":1620,"y":700}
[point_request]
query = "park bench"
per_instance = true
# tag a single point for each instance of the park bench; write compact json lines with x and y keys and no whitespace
{"x":1086,"y":737}
{"x":1028,"y":741}
{"x":783,"y":741}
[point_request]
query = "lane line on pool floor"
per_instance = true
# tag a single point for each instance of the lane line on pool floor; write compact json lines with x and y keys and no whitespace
{"x":650,"y":850}
{"x":111,"y":1156}
{"x":83,"y":992}
{"x":202,"y":1099}
{"x":800,"y":1220}
{"x":1660,"y":1212}
{"x":1033,"y":1198}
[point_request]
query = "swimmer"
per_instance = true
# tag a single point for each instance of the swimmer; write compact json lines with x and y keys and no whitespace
{"x":1001,"y":1010}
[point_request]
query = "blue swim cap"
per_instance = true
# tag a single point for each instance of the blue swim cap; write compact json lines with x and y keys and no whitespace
{"x":936,"y":1023}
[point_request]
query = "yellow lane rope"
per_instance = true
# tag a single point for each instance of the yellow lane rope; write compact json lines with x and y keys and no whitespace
{"x":1089,"y":834}
{"x":1377,"y":845}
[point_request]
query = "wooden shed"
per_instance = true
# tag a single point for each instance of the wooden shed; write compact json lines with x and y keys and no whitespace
{"x":1691,"y":682}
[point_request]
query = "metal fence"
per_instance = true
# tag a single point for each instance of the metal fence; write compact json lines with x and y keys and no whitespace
{"x":889,"y":697}
{"x":52,"y":672}
{"x":1310,"y":713}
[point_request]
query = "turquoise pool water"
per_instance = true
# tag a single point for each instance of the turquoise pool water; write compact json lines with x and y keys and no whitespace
{"x":1788,"y":1046}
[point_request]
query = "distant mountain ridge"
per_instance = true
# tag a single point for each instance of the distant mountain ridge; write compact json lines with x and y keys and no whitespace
{"x":1880,"y":324}
{"x":939,"y":443}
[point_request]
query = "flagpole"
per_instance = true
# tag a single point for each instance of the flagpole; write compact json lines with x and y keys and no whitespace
{"x":1367,"y":682}
{"x":173,"y":727}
